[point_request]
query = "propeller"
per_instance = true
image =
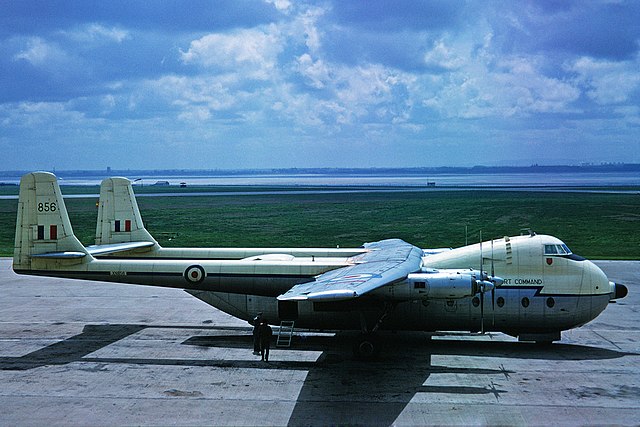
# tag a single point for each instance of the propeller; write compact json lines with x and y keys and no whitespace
{"x":487,"y":283}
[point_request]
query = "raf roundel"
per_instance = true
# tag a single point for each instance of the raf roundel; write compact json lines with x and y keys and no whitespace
{"x":194,"y":274}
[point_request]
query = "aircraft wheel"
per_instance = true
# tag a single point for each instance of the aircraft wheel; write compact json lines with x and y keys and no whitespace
{"x":365,"y":348}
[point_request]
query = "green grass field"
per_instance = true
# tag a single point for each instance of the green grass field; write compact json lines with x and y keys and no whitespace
{"x":597,"y":226}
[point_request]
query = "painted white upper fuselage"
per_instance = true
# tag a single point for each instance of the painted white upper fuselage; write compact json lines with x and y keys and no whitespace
{"x":522,"y":261}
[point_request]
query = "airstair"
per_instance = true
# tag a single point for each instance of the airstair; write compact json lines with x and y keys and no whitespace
{"x":285,"y":333}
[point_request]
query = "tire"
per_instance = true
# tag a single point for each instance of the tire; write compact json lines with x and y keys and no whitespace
{"x":366,"y":348}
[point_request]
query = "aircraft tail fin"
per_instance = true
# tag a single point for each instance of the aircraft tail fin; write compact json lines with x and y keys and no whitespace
{"x":43,"y":230}
{"x":119,"y":219}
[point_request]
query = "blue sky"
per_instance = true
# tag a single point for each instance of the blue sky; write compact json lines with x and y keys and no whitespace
{"x":235,"y":84}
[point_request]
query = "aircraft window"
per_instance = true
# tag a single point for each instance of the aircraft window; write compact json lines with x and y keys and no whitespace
{"x":557,"y":250}
{"x":500,"y":301}
{"x":525,"y":302}
{"x":551,"y":302}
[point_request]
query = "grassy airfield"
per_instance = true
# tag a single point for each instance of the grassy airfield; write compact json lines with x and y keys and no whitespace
{"x":597,"y":226}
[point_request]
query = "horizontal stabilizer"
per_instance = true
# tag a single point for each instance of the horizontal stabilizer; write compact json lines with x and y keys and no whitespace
{"x":117,"y":247}
{"x":60,"y":255}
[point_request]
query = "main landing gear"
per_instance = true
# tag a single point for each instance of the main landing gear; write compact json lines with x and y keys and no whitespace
{"x":367,"y":346}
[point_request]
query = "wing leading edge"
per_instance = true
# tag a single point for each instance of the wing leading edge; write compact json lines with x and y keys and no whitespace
{"x":117,"y":247}
{"x":96,"y":250}
{"x":385,"y":262}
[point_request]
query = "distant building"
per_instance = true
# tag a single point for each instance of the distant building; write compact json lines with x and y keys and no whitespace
{"x":162,"y":183}
{"x":183,"y":185}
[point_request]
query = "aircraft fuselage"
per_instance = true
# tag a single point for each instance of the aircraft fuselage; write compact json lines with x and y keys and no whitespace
{"x":540,"y":294}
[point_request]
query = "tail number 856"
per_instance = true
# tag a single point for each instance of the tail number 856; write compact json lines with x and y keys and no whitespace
{"x":47,"y":207}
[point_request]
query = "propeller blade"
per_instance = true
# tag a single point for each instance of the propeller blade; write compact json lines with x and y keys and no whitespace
{"x":493,"y":307}
{"x":493,"y":290}
{"x":482,"y":311}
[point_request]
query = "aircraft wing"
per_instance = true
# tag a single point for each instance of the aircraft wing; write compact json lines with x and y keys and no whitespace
{"x":117,"y":247}
{"x":384,"y":262}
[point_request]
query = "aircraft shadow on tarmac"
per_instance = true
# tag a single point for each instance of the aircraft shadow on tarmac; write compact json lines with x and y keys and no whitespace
{"x":337,"y":388}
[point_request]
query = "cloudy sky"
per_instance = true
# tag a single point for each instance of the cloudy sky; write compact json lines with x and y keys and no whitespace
{"x":277,"y":83}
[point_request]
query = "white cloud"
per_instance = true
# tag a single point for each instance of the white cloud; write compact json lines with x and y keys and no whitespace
{"x":39,"y":52}
{"x":443,"y":56}
{"x":607,"y":82}
{"x":316,"y":72}
{"x":195,"y":114}
{"x":522,"y":89}
{"x":39,"y":115}
{"x":282,"y":5}
{"x":253,"y":52}
{"x":308,"y":22}
{"x":195,"y":97}
{"x":108,"y":103}
{"x":91,"y":33}
{"x":371,"y":92}
{"x":486,"y":86}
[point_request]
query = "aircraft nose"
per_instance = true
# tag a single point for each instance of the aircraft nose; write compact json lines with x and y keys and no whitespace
{"x":618,"y":290}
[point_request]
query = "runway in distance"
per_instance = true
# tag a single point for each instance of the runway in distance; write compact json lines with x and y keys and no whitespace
{"x":531,"y":287}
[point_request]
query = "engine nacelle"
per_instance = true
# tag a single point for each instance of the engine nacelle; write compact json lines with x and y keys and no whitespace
{"x":435,"y":284}
{"x":442,"y":285}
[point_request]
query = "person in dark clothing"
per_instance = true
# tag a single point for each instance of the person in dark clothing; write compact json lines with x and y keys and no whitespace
{"x":265,"y":334}
{"x":256,"y":333}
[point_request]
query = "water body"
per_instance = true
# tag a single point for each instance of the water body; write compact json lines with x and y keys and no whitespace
{"x":548,"y":182}
{"x":584,"y":179}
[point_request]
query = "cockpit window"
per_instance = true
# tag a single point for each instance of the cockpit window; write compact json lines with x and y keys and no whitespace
{"x":556,"y":250}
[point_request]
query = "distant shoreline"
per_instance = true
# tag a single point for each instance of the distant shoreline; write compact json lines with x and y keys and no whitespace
{"x":440,"y":170}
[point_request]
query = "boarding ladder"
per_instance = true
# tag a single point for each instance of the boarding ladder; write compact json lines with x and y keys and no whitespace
{"x":285,"y":333}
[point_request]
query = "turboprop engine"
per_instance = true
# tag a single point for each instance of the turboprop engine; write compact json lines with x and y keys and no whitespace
{"x":440,"y":284}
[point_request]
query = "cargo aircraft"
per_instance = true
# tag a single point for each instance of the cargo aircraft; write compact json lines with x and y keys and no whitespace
{"x":536,"y":286}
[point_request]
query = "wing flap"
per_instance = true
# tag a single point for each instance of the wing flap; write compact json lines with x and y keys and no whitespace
{"x":384,"y":262}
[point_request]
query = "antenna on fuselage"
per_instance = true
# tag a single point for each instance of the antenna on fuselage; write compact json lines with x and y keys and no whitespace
{"x":528,"y":231}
